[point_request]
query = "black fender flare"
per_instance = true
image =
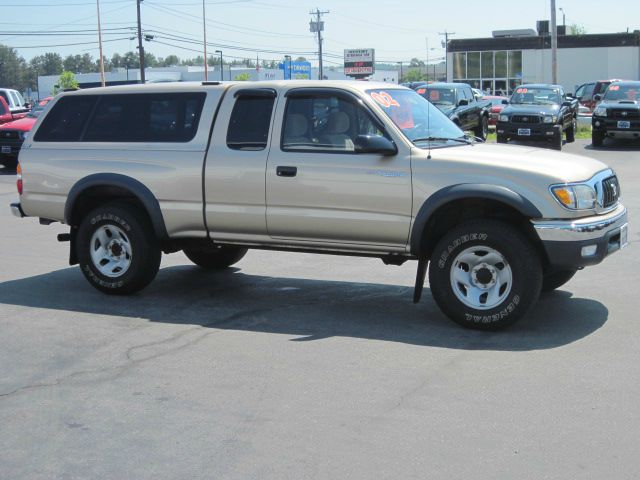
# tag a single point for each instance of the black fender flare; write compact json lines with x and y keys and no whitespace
{"x":462,"y":191}
{"x":135,"y":187}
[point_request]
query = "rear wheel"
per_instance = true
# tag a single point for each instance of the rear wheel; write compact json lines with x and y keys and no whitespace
{"x":554,"y":280}
{"x":117,"y":249}
{"x":215,"y":257}
{"x":571,"y":131}
{"x":597,"y":138}
{"x":484,"y":274}
{"x":482,"y":130}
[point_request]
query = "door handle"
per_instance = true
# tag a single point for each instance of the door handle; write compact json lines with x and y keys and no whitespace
{"x":286,"y":171}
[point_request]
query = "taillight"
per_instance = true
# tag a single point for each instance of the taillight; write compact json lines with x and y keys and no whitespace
{"x":19,"y":179}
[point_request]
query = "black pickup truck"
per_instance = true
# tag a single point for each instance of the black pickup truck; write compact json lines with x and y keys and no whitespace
{"x":539,"y":112}
{"x":457,"y":101}
{"x":618,"y":113}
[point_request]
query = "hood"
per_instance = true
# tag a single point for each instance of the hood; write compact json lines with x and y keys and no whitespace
{"x":446,"y":109}
{"x":531,"y":109}
{"x":620,"y":104}
{"x":513,"y":161}
{"x":24,"y":124}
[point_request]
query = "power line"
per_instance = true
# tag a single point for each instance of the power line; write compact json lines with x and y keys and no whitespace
{"x":74,"y":44}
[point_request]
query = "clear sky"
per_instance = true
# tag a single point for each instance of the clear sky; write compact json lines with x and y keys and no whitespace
{"x":398,"y":30}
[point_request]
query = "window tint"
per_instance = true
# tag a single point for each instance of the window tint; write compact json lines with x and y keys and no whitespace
{"x":66,"y":120}
{"x":166,"y":117}
{"x":326,"y":123}
{"x":249,"y":124}
{"x":6,"y":97}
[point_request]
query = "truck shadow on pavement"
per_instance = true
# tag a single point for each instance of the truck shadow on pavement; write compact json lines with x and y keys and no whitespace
{"x":307,"y":309}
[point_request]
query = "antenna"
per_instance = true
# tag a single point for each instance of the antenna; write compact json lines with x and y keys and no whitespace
{"x":429,"y":128}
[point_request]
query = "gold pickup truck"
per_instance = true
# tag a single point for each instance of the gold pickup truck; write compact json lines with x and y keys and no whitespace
{"x":348,"y":168}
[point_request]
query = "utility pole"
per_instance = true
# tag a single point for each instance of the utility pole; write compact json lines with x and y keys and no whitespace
{"x":446,"y":36}
{"x":222,"y":67}
{"x":554,"y":44}
{"x":400,"y":77}
{"x":140,"y":47}
{"x":318,"y":27}
{"x":204,"y":29}
{"x":102,"y":82}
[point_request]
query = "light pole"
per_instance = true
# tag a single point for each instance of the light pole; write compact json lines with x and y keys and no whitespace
{"x":140,"y":46}
{"x":204,"y":31}
{"x":102,"y":82}
{"x":554,"y":44}
{"x":287,"y":64}
{"x":564,"y":23}
{"x":221,"y":66}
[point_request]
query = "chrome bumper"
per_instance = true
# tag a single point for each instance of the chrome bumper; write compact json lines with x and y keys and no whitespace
{"x":589,"y":228}
{"x":16,"y":209}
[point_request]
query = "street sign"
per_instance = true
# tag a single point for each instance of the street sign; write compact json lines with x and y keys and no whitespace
{"x":359,"y":62}
{"x":296,"y":70}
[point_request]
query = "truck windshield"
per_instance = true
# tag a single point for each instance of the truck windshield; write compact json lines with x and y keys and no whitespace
{"x":414,"y":115}
{"x":535,"y":96}
{"x":622,"y":92}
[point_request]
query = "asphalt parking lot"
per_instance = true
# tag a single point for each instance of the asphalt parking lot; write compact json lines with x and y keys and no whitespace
{"x":295,"y":366}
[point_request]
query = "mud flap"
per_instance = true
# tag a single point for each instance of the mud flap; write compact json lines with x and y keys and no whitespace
{"x":421,"y":274}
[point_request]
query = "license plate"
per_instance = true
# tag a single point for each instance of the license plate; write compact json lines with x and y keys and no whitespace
{"x":6,"y":149}
{"x":524,"y":132}
{"x":624,"y":124}
{"x":624,"y":235}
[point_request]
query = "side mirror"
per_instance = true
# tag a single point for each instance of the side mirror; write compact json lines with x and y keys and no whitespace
{"x":505,"y":102}
{"x":597,"y":97}
{"x":462,"y":102}
{"x":375,"y":144}
{"x":570,"y":95}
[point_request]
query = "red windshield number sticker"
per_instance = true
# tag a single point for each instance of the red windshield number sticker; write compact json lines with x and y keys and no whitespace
{"x":422,"y":91}
{"x":384,"y":99}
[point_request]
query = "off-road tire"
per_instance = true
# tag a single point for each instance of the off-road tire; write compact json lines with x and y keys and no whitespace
{"x":215,"y":257}
{"x":571,"y":131}
{"x":520,"y":255}
{"x":482,"y":130}
{"x":597,"y":138}
{"x":145,"y":250}
{"x":556,"y":141}
{"x":553,"y":280}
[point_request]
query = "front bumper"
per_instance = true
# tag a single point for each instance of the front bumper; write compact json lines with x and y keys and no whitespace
{"x":16,"y":210}
{"x":537,"y":131}
{"x":584,"y":241}
{"x":609,"y":127}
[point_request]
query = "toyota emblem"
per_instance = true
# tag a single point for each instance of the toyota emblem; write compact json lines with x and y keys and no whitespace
{"x":525,"y":119}
{"x":623,"y":113}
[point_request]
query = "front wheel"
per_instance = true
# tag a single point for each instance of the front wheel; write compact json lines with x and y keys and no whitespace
{"x":597,"y":138}
{"x":482,"y":130}
{"x":215,"y":257}
{"x":485,"y":274}
{"x":117,"y":249}
{"x":571,"y":131}
{"x":556,"y":141}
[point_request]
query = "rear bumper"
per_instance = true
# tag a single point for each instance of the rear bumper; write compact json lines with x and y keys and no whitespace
{"x":16,"y":210}
{"x":585,"y":241}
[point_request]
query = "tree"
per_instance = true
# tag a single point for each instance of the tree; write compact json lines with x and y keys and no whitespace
{"x":67,"y":80}
{"x":47,"y":64}
{"x":171,"y":60}
{"x":416,"y":62}
{"x":300,"y":59}
{"x":414,"y":76}
{"x":131,"y":60}
{"x":117,"y":60}
{"x":575,"y":29}
{"x":242,"y":77}
{"x":13,"y":71}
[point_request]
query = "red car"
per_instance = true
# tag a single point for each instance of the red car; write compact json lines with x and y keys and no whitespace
{"x":598,"y":89}
{"x":497,"y":104}
{"x":13,"y":133}
{"x":5,"y":113}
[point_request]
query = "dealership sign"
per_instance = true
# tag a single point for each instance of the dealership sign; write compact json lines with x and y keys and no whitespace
{"x":359,"y":62}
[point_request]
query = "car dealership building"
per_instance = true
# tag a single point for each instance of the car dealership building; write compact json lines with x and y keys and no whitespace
{"x":513,"y":57}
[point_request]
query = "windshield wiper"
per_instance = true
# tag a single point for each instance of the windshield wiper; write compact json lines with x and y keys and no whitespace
{"x":439,"y":139}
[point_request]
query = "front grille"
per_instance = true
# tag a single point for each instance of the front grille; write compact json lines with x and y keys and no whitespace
{"x":528,"y":119}
{"x":610,"y":191}
{"x":624,"y":114}
{"x":9,"y":134}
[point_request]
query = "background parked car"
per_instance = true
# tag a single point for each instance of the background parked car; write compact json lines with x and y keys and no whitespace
{"x":618,"y":114}
{"x":13,"y":133}
{"x":497,"y":104}
{"x":14,"y":99}
{"x":584,"y":94}
{"x":457,"y":101}
{"x":599,"y":88}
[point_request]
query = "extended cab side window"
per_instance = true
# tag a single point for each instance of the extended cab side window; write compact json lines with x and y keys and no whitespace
{"x":66,"y":120}
{"x":250,"y":121}
{"x":313,"y":123}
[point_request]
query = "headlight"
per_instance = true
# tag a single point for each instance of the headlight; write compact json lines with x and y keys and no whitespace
{"x":550,"y":119}
{"x":24,"y":135}
{"x":600,"y":112}
{"x":575,"y":197}
{"x":504,"y":118}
